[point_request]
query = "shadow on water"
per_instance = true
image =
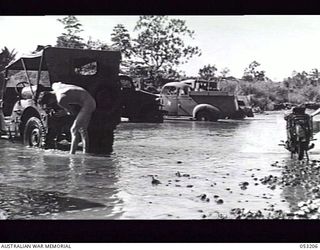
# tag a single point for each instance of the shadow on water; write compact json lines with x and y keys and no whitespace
{"x":17,"y":202}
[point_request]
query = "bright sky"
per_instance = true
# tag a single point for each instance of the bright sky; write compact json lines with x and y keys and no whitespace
{"x":281,"y":44}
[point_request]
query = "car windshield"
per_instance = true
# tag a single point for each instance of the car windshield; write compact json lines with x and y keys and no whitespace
{"x":170,"y":90}
{"x":16,"y":76}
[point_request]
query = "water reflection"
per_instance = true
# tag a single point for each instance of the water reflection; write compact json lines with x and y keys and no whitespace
{"x":47,"y":182}
{"x":214,"y":158}
{"x":217,"y":156}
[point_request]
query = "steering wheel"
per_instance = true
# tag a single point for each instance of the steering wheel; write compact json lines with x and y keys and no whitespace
{"x":19,"y":87}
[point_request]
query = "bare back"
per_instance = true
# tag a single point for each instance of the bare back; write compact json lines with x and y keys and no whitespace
{"x":67,"y":95}
{"x":70,"y":94}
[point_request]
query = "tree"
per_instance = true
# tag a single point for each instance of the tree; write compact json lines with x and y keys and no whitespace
{"x":252,"y":74}
{"x":314,"y":76}
{"x":298,"y":80}
{"x":96,"y":44}
{"x":160,"y":43}
{"x":208,"y":72}
{"x":6,"y":56}
{"x":121,"y":40}
{"x":70,"y":38}
{"x":224,"y":73}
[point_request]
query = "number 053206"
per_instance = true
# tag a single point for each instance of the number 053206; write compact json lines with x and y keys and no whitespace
{"x":308,"y":245}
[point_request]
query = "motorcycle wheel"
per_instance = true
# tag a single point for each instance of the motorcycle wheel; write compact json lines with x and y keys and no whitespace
{"x":301,"y":149}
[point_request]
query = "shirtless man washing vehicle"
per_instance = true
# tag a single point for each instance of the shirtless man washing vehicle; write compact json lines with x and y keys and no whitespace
{"x":68,"y":95}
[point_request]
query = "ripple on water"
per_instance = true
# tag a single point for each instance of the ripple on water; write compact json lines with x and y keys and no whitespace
{"x":207,"y":152}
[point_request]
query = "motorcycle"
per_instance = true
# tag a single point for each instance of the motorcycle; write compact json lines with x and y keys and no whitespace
{"x":299,"y":135}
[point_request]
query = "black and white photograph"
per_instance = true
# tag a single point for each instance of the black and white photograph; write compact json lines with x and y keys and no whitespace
{"x":160,"y":117}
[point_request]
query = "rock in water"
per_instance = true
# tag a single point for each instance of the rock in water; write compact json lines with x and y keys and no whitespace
{"x":155,"y":181}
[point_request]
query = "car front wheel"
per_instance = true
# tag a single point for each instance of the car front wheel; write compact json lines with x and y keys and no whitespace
{"x":34,"y":133}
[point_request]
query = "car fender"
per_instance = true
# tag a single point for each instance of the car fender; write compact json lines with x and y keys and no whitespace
{"x":32,"y":110}
{"x":205,"y":107}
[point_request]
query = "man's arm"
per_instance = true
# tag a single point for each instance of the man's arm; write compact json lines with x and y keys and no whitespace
{"x":66,"y":106}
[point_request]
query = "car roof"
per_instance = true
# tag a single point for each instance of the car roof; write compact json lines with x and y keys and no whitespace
{"x":176,"y":84}
{"x":189,"y":81}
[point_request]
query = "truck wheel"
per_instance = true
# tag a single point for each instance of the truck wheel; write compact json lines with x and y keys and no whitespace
{"x":34,"y":133}
{"x":205,"y":115}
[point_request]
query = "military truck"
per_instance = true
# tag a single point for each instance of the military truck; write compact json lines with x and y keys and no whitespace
{"x":200,"y":100}
{"x":46,"y":125}
{"x":139,"y":105}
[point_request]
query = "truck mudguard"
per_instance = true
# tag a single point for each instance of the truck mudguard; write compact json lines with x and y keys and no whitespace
{"x":205,"y":106}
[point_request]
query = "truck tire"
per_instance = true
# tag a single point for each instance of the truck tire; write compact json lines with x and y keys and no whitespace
{"x":34,"y":134}
{"x":206,"y":115}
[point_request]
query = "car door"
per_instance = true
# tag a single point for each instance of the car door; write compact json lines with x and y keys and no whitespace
{"x":169,"y":99}
{"x":185,"y":103}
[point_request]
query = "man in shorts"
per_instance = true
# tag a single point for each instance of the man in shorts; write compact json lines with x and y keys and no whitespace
{"x":67,"y":96}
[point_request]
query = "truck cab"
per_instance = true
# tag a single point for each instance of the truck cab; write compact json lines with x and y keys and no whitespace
{"x":139,"y":105}
{"x":200,"y":100}
{"x":42,"y":124}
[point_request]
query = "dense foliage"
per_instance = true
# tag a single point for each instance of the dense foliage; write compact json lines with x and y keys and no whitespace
{"x":208,"y":72}
{"x":6,"y":56}
{"x":70,"y":38}
{"x":159,"y":47}
{"x":251,"y":73}
{"x":161,"y":44}
{"x":121,"y":40}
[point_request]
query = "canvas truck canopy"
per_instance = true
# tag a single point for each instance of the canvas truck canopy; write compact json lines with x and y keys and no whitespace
{"x":52,"y":55}
{"x":85,"y":68}
{"x":32,"y":62}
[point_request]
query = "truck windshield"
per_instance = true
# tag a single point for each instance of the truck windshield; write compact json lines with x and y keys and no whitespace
{"x":206,"y":86}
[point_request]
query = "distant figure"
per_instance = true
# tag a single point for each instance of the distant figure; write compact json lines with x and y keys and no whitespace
{"x":68,"y":95}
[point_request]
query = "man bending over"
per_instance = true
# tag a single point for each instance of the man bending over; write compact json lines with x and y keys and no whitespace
{"x":68,"y":95}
